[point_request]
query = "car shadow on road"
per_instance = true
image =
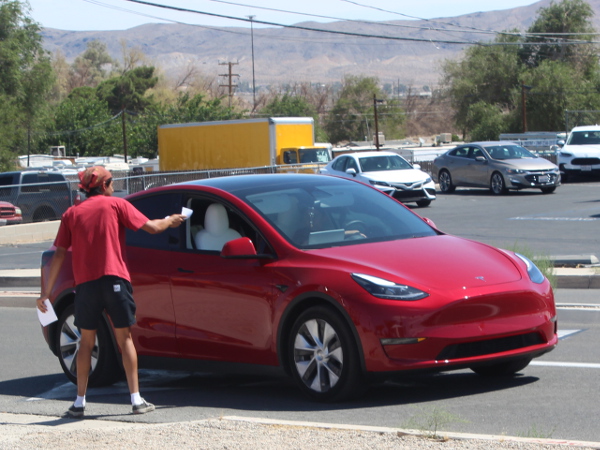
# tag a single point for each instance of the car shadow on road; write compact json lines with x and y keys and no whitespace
{"x":260,"y":393}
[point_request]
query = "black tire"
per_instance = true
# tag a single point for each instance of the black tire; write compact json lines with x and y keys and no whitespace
{"x":503,"y":369}
{"x":548,"y":190}
{"x":497,"y":184}
{"x":445,"y":182}
{"x":105,"y":369}
{"x":423,"y":203}
{"x":323,"y":357}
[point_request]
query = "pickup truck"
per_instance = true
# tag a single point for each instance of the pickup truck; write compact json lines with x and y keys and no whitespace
{"x":40,"y":195}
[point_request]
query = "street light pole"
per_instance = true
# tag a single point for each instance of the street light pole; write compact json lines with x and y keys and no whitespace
{"x":253,"y":79}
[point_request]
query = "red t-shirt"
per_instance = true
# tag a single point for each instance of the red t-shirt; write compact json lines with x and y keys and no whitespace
{"x":95,"y":229}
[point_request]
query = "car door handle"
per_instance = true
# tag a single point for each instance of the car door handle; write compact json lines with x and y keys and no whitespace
{"x":182,"y":270}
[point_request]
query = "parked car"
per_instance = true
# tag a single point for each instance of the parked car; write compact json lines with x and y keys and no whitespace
{"x":39,"y":194}
{"x":10,"y":214}
{"x":388,"y":172}
{"x":327,"y":278}
{"x":497,"y":165}
{"x":580,"y":154}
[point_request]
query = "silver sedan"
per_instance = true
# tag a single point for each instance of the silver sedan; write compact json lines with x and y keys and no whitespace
{"x":497,"y":165}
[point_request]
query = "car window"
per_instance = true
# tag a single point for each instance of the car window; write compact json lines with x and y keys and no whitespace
{"x":584,"y":138}
{"x":475,"y":152}
{"x":461,"y":152}
{"x":384,"y":162}
{"x":509,"y":151}
{"x":326,"y":215}
{"x":239,"y":225}
{"x":157,"y":206}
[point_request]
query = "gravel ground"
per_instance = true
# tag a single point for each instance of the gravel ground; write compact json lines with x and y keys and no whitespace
{"x":232,"y":434}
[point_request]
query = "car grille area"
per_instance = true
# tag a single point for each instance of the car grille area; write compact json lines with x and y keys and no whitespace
{"x":489,"y":346}
{"x":585,"y":161}
{"x":7,"y":211}
{"x":542,"y":177}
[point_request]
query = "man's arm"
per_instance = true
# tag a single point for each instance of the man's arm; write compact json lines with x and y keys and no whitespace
{"x":159,"y":225}
{"x":55,"y":265}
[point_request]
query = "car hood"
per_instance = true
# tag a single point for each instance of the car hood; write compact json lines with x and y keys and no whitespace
{"x":397,"y":176}
{"x":431,"y":263}
{"x":528,"y":163}
{"x":582,"y":150}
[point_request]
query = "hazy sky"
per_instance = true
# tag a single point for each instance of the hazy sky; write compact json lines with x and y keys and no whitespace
{"x":122,"y":14}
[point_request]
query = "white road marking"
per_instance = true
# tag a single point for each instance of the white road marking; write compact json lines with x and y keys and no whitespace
{"x":565,"y":364}
{"x":566,"y":333}
{"x":558,"y":219}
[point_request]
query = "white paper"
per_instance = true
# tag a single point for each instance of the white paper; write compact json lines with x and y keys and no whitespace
{"x":187,"y":212}
{"x":49,"y":316}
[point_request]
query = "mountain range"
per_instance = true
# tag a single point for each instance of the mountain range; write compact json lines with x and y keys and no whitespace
{"x":411,"y":57}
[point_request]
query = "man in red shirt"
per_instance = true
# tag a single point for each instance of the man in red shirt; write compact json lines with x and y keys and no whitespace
{"x":95,"y":231}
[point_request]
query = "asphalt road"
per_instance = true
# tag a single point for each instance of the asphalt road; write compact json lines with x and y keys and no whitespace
{"x":563,"y":223}
{"x":555,"y":397}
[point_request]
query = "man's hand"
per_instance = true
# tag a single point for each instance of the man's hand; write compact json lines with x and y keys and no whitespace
{"x":40,"y":303}
{"x":176,"y":220}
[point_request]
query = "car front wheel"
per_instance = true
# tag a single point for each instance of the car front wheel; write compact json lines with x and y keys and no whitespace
{"x":497,"y":185}
{"x":323,"y":357}
{"x":445,"y":182}
{"x":105,"y":368}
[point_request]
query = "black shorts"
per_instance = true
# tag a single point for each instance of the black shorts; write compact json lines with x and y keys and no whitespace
{"x":110,"y":293}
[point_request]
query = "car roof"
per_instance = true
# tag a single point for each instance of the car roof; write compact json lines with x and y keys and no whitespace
{"x":369,"y":154}
{"x":232,"y":183}
{"x":489,"y":143}
{"x":587,"y":128}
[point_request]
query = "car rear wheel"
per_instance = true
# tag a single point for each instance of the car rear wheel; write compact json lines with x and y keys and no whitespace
{"x":323,"y":357}
{"x":445,"y":182}
{"x":105,"y":368}
{"x":497,"y":185}
{"x":502,"y":369}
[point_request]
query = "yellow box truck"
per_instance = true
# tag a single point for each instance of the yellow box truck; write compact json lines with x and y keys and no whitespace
{"x":240,"y":143}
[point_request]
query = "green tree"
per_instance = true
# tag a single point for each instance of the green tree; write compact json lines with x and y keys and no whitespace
{"x":128,"y":90}
{"x":555,"y":28}
{"x":288,"y":105}
{"x":352,"y":116}
{"x":83,"y":123}
{"x":89,"y":68}
{"x":25,"y":77}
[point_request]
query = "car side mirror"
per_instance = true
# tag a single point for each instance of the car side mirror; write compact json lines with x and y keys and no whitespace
{"x":560,"y":143}
{"x":417,"y":166}
{"x":239,"y":248}
{"x":480,"y":159}
{"x":351,"y":172}
{"x":429,"y":222}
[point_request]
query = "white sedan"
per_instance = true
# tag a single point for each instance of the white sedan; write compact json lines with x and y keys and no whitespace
{"x":386,"y":171}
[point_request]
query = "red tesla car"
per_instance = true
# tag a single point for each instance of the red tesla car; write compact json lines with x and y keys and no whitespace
{"x":327,"y":278}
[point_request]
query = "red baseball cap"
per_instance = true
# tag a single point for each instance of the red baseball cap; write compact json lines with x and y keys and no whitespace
{"x":93,"y":177}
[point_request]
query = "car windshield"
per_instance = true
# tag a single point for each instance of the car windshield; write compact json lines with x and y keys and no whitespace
{"x":383,"y":162}
{"x":509,"y":151}
{"x":584,"y":138}
{"x":330,"y":213}
{"x":308,"y":155}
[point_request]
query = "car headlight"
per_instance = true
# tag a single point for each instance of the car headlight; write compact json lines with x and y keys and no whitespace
{"x":378,"y":287}
{"x":379,"y":183}
{"x":515,"y":171}
{"x":534,"y":273}
{"x":427,"y":180}
{"x":18,"y":212}
{"x":565,"y":154}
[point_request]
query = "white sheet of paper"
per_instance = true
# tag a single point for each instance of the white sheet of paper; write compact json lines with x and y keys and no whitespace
{"x":49,"y":316}
{"x":187,"y":212}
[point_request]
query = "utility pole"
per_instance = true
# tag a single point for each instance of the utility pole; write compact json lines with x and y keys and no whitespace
{"x":524,"y":89}
{"x":124,"y":134}
{"x":253,"y":78}
{"x":375,"y":101}
{"x":229,"y":76}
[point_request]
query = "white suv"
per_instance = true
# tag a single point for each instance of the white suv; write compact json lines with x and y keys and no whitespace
{"x":581,"y":153}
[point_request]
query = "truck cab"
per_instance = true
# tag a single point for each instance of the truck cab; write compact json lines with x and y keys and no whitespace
{"x":302,"y":155}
